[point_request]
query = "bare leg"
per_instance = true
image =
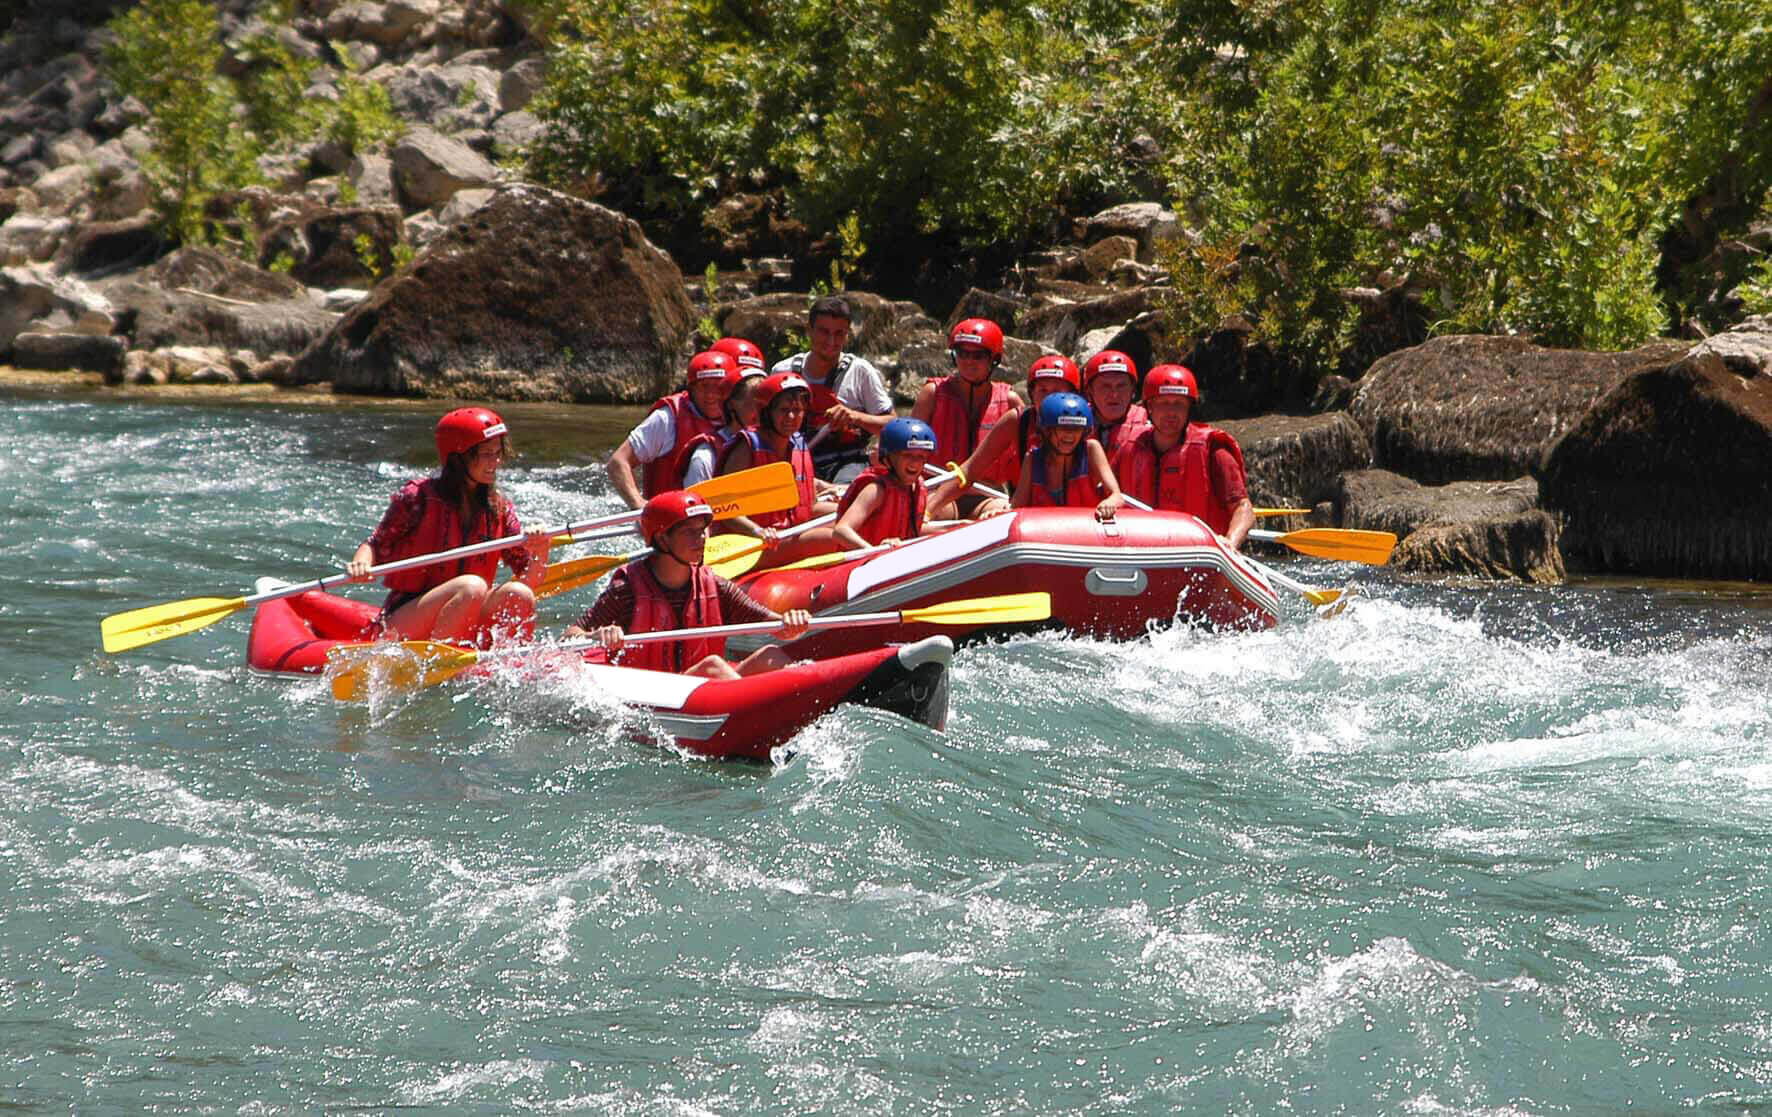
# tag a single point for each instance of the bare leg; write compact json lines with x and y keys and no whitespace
{"x":446,"y":612}
{"x":509,"y":611}
{"x":763,"y":660}
{"x":713,"y":667}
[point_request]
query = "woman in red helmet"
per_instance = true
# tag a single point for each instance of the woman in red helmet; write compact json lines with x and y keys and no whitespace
{"x":670,"y":589}
{"x":657,"y":448}
{"x":1011,"y":438}
{"x":963,"y":408}
{"x":1110,"y":384}
{"x":462,"y":505}
{"x":1185,"y":466}
{"x":701,"y":459}
{"x":781,"y":398}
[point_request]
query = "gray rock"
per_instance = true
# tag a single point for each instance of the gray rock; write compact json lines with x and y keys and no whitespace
{"x":28,"y":238}
{"x":1294,"y":461}
{"x":1515,"y":548}
{"x":429,"y":168}
{"x":568,"y":292}
{"x":1145,"y":222}
{"x":515,"y":131}
{"x":65,"y":352}
{"x":62,"y":189}
{"x":1379,"y":500}
{"x":18,"y":149}
{"x":519,"y":84}
{"x":28,"y":294}
{"x":1101,"y":257}
{"x":373,"y":178}
{"x":463,"y":205}
{"x":142,"y":368}
{"x":69,"y":147}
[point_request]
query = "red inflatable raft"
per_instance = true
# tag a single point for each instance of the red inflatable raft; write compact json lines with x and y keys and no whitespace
{"x":743,"y":718}
{"x":1112,"y":579}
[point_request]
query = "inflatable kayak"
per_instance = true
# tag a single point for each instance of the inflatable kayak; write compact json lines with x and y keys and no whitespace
{"x":1112,"y":579}
{"x":743,"y":718}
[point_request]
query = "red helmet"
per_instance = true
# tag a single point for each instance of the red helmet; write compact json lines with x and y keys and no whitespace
{"x":465,"y":428}
{"x":711,"y":364}
{"x":778,"y":383}
{"x":1054,"y":366}
{"x":666,"y":510}
{"x":982,"y":332}
{"x":1173,"y":381}
{"x":1109,"y":360}
{"x":745,"y":353}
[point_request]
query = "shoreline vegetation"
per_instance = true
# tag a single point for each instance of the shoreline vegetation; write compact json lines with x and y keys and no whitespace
{"x":1450,"y":268}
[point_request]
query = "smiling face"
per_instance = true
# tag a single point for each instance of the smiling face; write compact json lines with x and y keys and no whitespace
{"x":709,"y":395}
{"x":907,"y":466}
{"x":1065,"y":440}
{"x":973,"y":363}
{"x":829,"y":335}
{"x":484,"y":460}
{"x":786,"y":412}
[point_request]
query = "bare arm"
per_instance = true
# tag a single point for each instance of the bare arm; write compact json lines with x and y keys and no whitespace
{"x":1103,"y":475}
{"x":856,"y":515}
{"x":621,"y":471}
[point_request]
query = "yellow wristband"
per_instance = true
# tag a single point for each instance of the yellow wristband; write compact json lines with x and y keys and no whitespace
{"x":954,"y":468}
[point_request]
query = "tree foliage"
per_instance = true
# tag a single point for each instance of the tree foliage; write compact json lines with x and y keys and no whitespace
{"x":1521,"y":166}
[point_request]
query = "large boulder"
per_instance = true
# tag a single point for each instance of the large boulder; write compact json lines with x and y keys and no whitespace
{"x":1522,"y":548}
{"x":107,"y":247}
{"x":1474,"y":528}
{"x":1144,"y":223}
{"x":1295,"y":460}
{"x":538,"y":295}
{"x":56,"y":351}
{"x":36,"y":294}
{"x":1485,"y":408}
{"x":199,"y":296}
{"x":1671,"y":472}
{"x":1062,"y":325}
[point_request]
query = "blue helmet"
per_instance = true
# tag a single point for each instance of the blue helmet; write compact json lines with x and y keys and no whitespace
{"x":906,"y":434}
{"x":1065,"y":409}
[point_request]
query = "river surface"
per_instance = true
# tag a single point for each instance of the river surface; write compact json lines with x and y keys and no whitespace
{"x":1464,"y":849}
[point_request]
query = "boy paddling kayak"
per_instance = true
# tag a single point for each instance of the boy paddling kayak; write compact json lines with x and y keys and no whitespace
{"x":669,"y":589}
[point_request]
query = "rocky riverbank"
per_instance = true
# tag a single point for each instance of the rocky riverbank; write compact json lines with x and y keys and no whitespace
{"x":425,"y":269}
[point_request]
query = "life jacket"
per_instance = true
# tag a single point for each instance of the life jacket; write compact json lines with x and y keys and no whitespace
{"x":1180,"y":478}
{"x":956,"y":436}
{"x":899,"y":513}
{"x":1080,"y":490}
{"x":836,"y":449}
{"x":1121,"y":434}
{"x":665,"y":472}
{"x":440,"y":529}
{"x":717,"y":441}
{"x":1030,"y":437}
{"x":798,"y":456}
{"x":653,"y":613}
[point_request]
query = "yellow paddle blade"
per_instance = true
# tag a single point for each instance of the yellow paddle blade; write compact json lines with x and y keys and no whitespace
{"x":573,"y":573}
{"x":765,"y":488}
{"x":122,"y":631}
{"x":1322,"y":597}
{"x":1347,"y":544}
{"x":732,"y":555}
{"x":1009,"y":608}
{"x":1283,"y":511}
{"x":359,"y":670}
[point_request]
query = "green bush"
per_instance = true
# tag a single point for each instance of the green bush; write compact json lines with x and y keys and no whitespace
{"x":165,"y":54}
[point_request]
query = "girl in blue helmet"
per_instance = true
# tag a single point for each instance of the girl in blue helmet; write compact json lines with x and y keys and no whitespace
{"x":1068,"y":468}
{"x":886,"y":503}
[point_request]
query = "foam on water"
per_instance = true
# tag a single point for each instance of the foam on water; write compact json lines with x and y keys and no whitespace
{"x":1458,"y":850}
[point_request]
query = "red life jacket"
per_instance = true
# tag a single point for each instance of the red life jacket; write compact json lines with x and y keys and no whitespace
{"x":1179,"y":479}
{"x":956,"y":436}
{"x":1080,"y":490}
{"x":835,"y":447}
{"x":899,"y":513}
{"x":665,"y":472}
{"x":798,"y":456}
{"x":653,"y":613}
{"x":1115,"y":438}
{"x":440,"y":529}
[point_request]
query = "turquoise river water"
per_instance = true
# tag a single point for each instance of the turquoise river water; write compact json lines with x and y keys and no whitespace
{"x":1461,"y":850}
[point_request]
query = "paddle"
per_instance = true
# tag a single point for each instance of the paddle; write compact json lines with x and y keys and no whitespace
{"x":430,"y":662}
{"x":570,"y":575}
{"x":764,"y":489}
{"x":1259,"y":512}
{"x":1347,"y":544}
